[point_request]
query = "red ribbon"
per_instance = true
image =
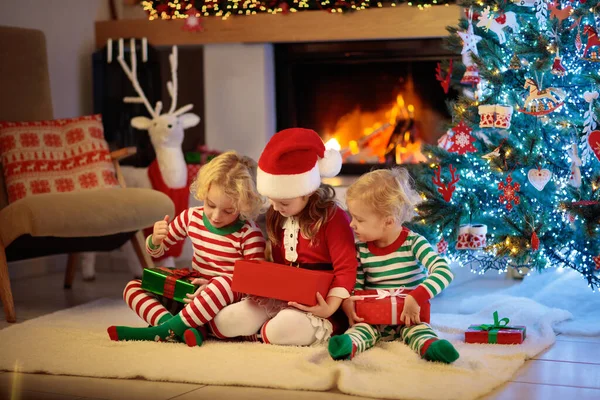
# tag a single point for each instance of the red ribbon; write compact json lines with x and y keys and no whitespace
{"x":173,"y":275}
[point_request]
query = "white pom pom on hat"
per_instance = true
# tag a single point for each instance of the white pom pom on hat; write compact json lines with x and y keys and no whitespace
{"x":293,"y":162}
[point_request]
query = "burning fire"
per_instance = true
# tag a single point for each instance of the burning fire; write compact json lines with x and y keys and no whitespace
{"x":364,"y":137}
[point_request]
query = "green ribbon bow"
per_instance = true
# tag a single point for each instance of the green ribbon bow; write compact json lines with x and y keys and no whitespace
{"x":494,"y":328}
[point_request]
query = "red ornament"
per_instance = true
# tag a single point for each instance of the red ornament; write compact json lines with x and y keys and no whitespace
{"x":444,"y":81}
{"x":594,"y":143}
{"x":442,"y":246}
{"x":193,"y":23}
{"x":597,"y":262}
{"x":471,"y":76}
{"x":535,"y":241}
{"x":501,"y":19}
{"x":557,"y":67}
{"x":445,"y":189}
{"x":510,"y":192}
{"x":462,"y":139}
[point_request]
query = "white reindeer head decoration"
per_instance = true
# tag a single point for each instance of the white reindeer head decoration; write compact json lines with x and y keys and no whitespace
{"x":165,"y":130}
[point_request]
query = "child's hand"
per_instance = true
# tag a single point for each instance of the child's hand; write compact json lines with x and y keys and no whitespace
{"x":322,"y":309}
{"x":350,"y":310}
{"x":198,"y":281}
{"x":411,"y":311}
{"x":161,"y":230}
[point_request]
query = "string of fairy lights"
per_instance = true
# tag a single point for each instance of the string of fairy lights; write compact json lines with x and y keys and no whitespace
{"x":533,"y":141}
{"x":180,"y":9}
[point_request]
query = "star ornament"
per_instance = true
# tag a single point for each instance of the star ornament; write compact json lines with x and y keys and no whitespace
{"x":470,"y":41}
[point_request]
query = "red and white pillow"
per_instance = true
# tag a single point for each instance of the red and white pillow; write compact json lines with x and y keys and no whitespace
{"x":55,"y":156}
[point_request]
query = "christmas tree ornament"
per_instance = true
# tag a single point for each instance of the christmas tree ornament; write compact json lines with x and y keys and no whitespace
{"x":589,"y":124}
{"x":464,"y":237}
{"x":515,"y":63}
{"x":557,"y":68}
{"x":541,"y":102}
{"x":463,"y":141}
{"x":592,"y":41}
{"x":445,"y":189}
{"x":497,"y":24}
{"x":285,"y":8}
{"x":539,"y":178}
{"x":594,"y":143}
{"x":492,"y":154}
{"x":535,"y":241}
{"x":560,"y":14}
{"x":597,"y":262}
{"x":541,"y":13}
{"x":503,"y":116}
{"x":193,"y":23}
{"x":487,"y":115}
{"x":575,"y":177}
{"x":509,"y":190}
{"x":442,"y":246}
{"x":470,"y":40}
{"x":477,"y":238}
{"x":444,"y":79}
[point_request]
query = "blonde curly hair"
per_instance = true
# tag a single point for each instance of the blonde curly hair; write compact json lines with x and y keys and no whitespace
{"x":236,"y":175}
{"x":388,"y":192}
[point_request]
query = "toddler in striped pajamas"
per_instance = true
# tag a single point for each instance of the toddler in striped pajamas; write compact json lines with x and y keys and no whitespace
{"x":221,"y":231}
{"x":391,"y":257}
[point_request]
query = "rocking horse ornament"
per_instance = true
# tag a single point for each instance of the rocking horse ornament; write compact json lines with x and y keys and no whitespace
{"x":592,"y":40}
{"x":541,"y":102}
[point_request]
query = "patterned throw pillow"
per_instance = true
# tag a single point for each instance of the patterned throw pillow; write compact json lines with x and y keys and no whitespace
{"x":55,"y":156}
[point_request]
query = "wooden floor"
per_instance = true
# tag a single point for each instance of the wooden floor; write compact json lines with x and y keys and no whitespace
{"x":570,"y":369}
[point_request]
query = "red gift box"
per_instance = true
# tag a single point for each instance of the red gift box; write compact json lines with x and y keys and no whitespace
{"x":384,"y":307}
{"x":283,"y":282}
{"x":499,"y":332}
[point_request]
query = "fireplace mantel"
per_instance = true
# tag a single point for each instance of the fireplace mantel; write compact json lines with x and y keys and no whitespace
{"x":309,"y":26}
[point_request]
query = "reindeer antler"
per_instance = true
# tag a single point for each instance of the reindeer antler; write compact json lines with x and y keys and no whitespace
{"x":132,"y":75}
{"x":172,"y":84}
{"x":445,"y":189}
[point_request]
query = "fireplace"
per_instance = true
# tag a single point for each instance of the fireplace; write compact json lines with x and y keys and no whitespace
{"x":376,"y":101}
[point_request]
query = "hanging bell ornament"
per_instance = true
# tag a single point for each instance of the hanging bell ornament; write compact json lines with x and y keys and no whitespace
{"x":471,"y":76}
{"x":557,"y":68}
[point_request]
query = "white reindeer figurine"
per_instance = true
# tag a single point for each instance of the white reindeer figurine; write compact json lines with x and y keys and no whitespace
{"x":497,"y":25}
{"x":166,"y":133}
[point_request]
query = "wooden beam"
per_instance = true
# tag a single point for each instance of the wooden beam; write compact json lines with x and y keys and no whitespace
{"x":308,"y":26}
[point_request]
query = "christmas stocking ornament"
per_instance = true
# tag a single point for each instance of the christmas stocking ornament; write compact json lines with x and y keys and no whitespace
{"x":486,"y":113}
{"x":464,"y":237}
{"x":477,"y":236}
{"x":503,"y":116}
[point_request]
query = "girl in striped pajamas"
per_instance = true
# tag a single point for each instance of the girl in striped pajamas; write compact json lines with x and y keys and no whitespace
{"x":391,"y":257}
{"x":221,"y":231}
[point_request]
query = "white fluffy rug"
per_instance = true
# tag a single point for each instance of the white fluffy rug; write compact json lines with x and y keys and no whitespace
{"x":74,"y":342}
{"x":562,"y":288}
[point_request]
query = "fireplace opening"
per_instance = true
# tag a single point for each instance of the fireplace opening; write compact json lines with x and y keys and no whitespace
{"x":375,"y":101}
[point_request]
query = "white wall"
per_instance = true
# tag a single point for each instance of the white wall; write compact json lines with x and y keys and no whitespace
{"x":69,"y":29}
{"x":239,"y":90}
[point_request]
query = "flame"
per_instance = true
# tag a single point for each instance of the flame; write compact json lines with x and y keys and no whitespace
{"x":352,"y":134}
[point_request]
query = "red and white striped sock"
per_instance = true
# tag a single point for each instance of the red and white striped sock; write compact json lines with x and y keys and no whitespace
{"x":145,"y":304}
{"x":216,"y":296}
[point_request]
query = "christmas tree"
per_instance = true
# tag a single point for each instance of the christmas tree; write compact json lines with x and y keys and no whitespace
{"x":515,"y":181}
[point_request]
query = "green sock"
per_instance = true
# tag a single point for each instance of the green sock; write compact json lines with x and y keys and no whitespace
{"x":164,"y":319}
{"x":169,"y":331}
{"x":341,"y":347}
{"x":441,"y":350}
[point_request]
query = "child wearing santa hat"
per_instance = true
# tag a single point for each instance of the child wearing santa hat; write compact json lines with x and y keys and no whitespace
{"x":307,"y":229}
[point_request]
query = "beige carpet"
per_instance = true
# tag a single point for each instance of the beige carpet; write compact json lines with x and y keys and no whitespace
{"x":74,"y":342}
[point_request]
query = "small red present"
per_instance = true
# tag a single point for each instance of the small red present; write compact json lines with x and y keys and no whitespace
{"x":498,"y":332}
{"x":384,"y":307}
{"x":283,"y":282}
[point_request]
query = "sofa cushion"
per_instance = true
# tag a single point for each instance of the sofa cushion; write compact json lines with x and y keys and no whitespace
{"x":55,"y":156}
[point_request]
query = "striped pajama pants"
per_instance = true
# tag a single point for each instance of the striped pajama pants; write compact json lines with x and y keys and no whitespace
{"x":151,"y":307}
{"x":365,"y":336}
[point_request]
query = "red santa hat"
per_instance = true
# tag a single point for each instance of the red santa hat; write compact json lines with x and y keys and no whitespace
{"x":293,"y":162}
